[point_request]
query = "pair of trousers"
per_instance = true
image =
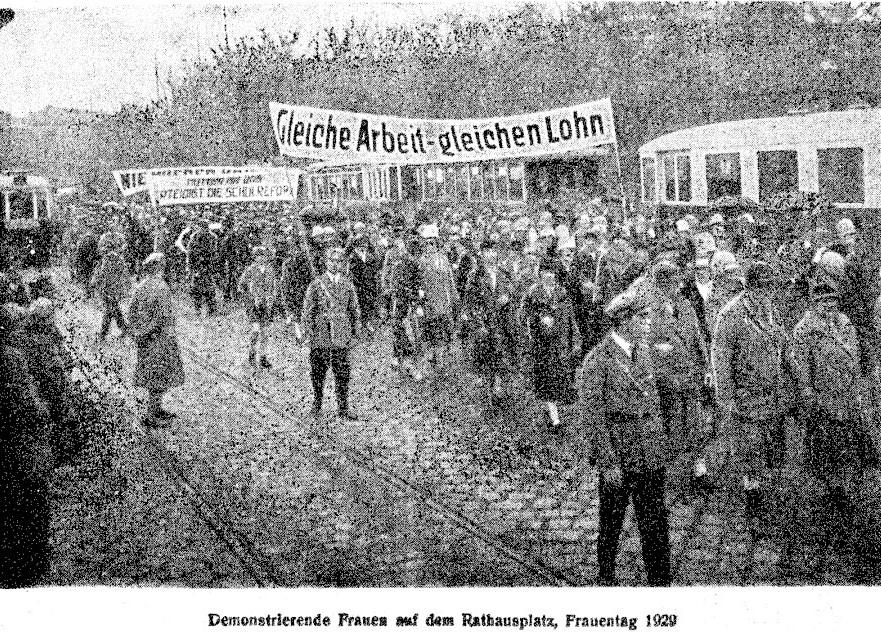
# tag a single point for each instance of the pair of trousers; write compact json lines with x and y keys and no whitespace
{"x":203,"y":292}
{"x":647,"y":491}
{"x":336,"y":359}
{"x":112,"y":312}
{"x":402,"y":347}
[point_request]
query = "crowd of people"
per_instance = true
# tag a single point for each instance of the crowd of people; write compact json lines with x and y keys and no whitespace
{"x":712,"y":339}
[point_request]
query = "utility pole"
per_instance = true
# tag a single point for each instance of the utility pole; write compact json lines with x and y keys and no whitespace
{"x":225,"y":32}
{"x":156,"y":73}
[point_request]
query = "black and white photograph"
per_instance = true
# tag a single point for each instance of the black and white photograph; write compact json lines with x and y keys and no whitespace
{"x":386,"y":295}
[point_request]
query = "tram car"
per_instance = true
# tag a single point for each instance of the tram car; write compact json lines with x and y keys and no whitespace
{"x":565,"y":180}
{"x":834,"y":154}
{"x":30,"y":233}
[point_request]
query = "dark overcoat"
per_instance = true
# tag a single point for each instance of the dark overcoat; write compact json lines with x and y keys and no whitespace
{"x":551,"y":345}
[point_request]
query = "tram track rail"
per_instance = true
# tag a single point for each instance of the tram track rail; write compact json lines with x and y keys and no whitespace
{"x":259,"y":567}
{"x":366,"y":462}
{"x":242,"y":548}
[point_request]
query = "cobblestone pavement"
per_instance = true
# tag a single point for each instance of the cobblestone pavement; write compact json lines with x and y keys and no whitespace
{"x":430,"y":486}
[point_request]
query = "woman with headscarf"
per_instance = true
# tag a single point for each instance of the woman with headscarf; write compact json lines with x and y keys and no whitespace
{"x":151,"y":317}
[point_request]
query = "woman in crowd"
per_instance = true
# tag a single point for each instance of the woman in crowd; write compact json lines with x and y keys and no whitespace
{"x":550,"y":320}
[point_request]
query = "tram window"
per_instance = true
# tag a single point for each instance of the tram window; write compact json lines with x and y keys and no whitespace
{"x":42,"y":208}
{"x":489,"y":181}
{"x":516,"y":176}
{"x":778,"y":173}
{"x":462,"y":188}
{"x":391,"y":178}
{"x":476,"y":189}
{"x":21,"y":205}
{"x":450,"y":182}
{"x":502,"y":181}
{"x":430,"y":182}
{"x":683,"y":173}
{"x":840,"y":173}
{"x":648,"y":179}
{"x":669,"y":178}
{"x":723,"y":175}
{"x":677,"y":178}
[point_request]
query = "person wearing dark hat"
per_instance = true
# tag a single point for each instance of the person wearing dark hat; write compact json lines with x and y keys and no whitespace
{"x":439,"y":297}
{"x":839,"y":448}
{"x":259,"y":286}
{"x":754,"y":390}
{"x":331,"y":324}
{"x":857,"y":289}
{"x":621,"y":410}
{"x":25,"y":449}
{"x":296,"y":274}
{"x":488,"y":309}
{"x":550,"y":325}
{"x":400,"y":282}
{"x":202,"y":251}
{"x":681,"y":358}
{"x":151,"y":319}
{"x":364,"y":269}
{"x":234,"y":256}
{"x":111,"y":281}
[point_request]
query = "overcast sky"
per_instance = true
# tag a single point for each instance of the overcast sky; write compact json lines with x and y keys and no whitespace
{"x":91,"y":56}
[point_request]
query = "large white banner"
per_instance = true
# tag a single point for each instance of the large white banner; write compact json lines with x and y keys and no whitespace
{"x":216,"y":185}
{"x":131,"y":181}
{"x":340,"y":137}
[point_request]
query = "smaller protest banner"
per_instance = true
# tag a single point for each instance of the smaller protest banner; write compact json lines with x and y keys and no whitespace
{"x":217,"y":185}
{"x":131,"y":181}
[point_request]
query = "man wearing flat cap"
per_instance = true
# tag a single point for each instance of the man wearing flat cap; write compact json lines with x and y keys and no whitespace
{"x":621,"y":410}
{"x":839,"y":449}
{"x":754,"y":390}
{"x":364,"y":268}
{"x":331,"y":323}
{"x":681,"y":358}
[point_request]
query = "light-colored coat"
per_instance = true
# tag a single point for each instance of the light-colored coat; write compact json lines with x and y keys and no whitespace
{"x":151,"y":323}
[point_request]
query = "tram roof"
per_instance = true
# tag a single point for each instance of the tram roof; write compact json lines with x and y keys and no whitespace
{"x":820,"y":128}
{"x":8,"y":180}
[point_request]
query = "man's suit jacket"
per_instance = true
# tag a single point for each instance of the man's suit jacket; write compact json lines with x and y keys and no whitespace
{"x":620,"y":409}
{"x":331,"y":315}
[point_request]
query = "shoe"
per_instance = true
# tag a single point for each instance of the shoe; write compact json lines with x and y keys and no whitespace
{"x":266,"y":364}
{"x":348,"y":414}
{"x":166,"y":414}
